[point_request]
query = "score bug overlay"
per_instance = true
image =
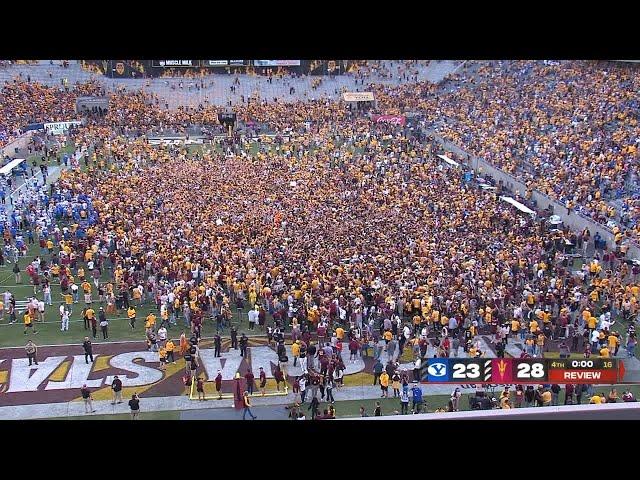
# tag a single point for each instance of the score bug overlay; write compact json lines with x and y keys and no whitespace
{"x":523,"y":371}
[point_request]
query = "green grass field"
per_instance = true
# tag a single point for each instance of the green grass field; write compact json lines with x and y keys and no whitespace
{"x":49,"y":331}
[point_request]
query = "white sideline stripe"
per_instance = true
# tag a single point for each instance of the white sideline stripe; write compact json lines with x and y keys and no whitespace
{"x":515,"y":412}
{"x":116,"y":342}
{"x":70,"y":321}
{"x":76,"y":344}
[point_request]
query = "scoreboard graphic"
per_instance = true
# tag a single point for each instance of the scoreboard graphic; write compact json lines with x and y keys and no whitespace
{"x":524,"y":371}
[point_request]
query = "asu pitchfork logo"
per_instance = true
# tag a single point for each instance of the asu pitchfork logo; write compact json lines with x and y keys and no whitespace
{"x":502,"y":368}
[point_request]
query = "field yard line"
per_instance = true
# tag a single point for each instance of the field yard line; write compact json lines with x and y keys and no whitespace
{"x":8,"y":277}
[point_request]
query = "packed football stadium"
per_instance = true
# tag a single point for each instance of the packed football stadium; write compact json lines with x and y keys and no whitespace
{"x":319,"y":239}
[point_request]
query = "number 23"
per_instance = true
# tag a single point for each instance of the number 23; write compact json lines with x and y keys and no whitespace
{"x":469,"y":370}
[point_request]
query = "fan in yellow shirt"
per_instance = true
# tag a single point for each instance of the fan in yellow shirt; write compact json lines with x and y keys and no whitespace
{"x":68,"y":298}
{"x":131,"y":314}
{"x":151,"y":320}
{"x":163,"y":358}
{"x":28,"y":323}
{"x":613,"y":341}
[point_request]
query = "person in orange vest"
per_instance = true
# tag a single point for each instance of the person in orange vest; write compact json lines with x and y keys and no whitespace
{"x":183,"y":344}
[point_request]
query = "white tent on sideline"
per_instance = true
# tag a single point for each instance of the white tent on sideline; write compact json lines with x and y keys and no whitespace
{"x":451,"y":162}
{"x":518,"y":205}
{"x":10,"y":166}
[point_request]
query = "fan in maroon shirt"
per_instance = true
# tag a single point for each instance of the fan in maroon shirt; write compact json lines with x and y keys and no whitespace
{"x":263,"y":381}
{"x":250,"y":378}
{"x":218,"y":381}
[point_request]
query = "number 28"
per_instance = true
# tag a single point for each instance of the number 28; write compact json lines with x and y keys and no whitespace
{"x":530,"y":370}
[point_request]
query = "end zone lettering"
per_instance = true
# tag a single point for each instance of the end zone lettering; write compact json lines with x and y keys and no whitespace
{"x":136,"y":369}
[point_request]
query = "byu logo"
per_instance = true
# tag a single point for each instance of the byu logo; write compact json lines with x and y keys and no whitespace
{"x":437,"y":369}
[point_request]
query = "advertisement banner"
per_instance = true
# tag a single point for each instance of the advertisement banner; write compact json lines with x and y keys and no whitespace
{"x":276,"y":63}
{"x":58,"y":128}
{"x":238,"y":63}
{"x":215,"y":63}
{"x":358,"y":97}
{"x":175,"y":141}
{"x":175,"y":63}
{"x":393,"y":119}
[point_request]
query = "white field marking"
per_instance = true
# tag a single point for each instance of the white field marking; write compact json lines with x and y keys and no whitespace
{"x":58,"y":321}
{"x":138,"y":319}
{"x":8,"y":277}
{"x":117,"y":342}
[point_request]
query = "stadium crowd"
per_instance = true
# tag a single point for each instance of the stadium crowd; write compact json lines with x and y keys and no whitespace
{"x":352,"y":230}
{"x":568,"y":129}
{"x":365,"y":234}
{"x":26,"y":102}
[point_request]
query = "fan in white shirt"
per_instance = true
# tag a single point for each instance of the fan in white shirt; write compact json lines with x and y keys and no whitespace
{"x":406,"y":332}
{"x":162,"y":334}
{"x":605,"y":321}
{"x":253,"y":316}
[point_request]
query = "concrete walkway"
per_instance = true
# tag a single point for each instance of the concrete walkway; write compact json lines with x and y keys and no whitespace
{"x":183,"y":403}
